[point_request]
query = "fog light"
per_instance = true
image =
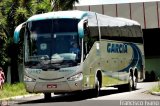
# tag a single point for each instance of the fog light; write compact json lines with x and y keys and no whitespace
{"x":28,"y":79}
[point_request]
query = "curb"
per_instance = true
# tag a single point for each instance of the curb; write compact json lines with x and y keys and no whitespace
{"x":19,"y":97}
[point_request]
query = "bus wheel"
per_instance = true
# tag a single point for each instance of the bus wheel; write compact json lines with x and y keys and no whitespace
{"x":47,"y":96}
{"x":135,"y":79}
{"x":131,"y":83}
{"x":134,"y":82}
{"x":97,"y":88}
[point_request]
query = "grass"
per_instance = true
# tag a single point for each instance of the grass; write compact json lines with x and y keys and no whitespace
{"x":108,"y":81}
{"x":156,"y":88}
{"x":12,"y":90}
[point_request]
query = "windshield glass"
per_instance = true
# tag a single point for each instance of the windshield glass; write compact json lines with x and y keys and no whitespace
{"x":52,"y":42}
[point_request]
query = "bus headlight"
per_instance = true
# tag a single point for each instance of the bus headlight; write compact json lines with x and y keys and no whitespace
{"x":76,"y":77}
{"x":28,"y":79}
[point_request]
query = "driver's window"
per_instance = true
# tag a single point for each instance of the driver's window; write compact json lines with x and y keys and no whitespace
{"x":86,"y":28}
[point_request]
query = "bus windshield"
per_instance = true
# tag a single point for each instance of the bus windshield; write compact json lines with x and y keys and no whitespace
{"x":52,"y":42}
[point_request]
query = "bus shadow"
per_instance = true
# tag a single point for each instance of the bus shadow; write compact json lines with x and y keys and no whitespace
{"x":73,"y":97}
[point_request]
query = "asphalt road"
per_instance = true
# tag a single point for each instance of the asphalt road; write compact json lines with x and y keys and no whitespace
{"x":108,"y":97}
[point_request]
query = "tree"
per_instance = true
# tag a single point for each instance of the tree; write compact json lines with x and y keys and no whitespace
{"x":41,"y":6}
{"x":3,"y":45}
{"x":63,"y":4}
{"x":14,"y":12}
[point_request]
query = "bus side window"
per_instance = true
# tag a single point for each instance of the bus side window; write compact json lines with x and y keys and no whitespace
{"x":88,"y":43}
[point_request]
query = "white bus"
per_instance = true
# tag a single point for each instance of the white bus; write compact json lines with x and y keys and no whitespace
{"x":109,"y":52}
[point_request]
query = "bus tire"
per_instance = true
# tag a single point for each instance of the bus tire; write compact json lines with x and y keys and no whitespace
{"x":47,"y":96}
{"x":131,"y":83}
{"x":134,"y":82}
{"x":97,"y":88}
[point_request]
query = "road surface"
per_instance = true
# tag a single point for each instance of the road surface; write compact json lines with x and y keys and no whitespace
{"x":108,"y":97}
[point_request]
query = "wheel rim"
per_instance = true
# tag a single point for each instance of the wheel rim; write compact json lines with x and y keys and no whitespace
{"x":135,"y":82}
{"x":130,"y":82}
{"x":97,"y":88}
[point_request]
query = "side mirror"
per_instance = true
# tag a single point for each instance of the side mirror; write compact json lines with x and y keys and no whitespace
{"x":82,"y":28}
{"x":17,"y":32}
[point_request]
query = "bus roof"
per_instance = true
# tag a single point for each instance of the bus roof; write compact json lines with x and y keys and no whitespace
{"x":59,"y":14}
{"x":116,"y":26}
{"x":104,"y":20}
{"x":113,"y":26}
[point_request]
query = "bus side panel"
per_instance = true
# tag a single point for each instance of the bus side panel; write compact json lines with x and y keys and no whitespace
{"x":141,"y":64}
{"x":90,"y":66}
{"x":113,"y":60}
{"x":116,"y":60}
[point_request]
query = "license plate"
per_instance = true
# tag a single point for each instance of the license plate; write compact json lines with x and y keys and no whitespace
{"x":51,"y":85}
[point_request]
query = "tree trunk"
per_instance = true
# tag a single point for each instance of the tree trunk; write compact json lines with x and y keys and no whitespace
{"x":14,"y":63}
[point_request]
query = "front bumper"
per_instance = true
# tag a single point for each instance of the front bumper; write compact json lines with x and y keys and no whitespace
{"x":56,"y":87}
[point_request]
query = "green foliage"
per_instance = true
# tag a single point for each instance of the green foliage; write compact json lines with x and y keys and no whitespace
{"x":63,"y":4}
{"x":155,"y":89}
{"x":12,"y":90}
{"x":13,"y":13}
{"x":42,"y":6}
{"x":21,"y":14}
{"x":3,"y":45}
{"x":3,"y":42}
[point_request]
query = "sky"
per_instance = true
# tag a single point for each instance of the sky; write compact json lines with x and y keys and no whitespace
{"x":96,"y":2}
